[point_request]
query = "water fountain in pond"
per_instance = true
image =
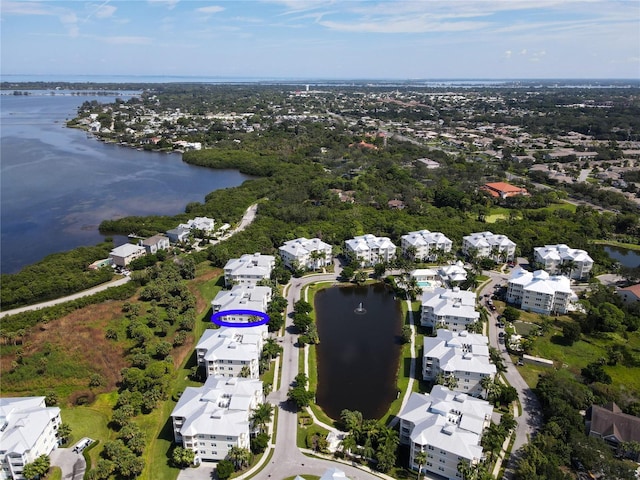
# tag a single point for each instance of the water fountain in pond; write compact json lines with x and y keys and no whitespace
{"x":360,"y":310}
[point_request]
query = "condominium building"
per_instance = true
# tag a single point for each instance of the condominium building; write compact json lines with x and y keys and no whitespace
{"x":424,"y":245}
{"x":447,"y":426}
{"x":205,"y":224}
{"x":462,"y":355}
{"x":28,"y":430}
{"x":125,"y":254}
{"x":212,"y":419}
{"x":241,"y":297}
{"x":489,"y":245}
{"x":305,"y":253}
{"x":450,"y":308}
{"x":369,"y":250}
{"x":248,"y":269}
{"x":539,"y":292}
{"x":555,"y":259}
{"x":227,"y":350}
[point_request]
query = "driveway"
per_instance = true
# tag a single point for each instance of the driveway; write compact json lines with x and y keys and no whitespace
{"x":72,"y":464}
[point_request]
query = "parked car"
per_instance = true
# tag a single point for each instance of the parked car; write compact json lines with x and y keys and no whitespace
{"x":82,"y":444}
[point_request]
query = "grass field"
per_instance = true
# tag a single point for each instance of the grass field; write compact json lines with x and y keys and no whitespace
{"x":590,"y":348}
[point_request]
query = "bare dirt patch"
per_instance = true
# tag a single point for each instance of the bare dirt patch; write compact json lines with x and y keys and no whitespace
{"x":81,"y":335}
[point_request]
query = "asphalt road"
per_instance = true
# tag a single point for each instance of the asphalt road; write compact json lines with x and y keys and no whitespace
{"x":72,"y":464}
{"x":530,"y":418}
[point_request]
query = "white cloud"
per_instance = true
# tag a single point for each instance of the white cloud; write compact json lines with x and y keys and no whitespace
{"x":105,"y":11}
{"x":170,"y":4}
{"x":210,"y":10}
{"x":403,"y":25}
{"x":507,"y":54}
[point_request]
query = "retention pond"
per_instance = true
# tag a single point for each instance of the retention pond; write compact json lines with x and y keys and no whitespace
{"x":359,"y":350}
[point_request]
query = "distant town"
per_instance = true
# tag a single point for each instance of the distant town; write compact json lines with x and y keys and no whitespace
{"x":491,"y":216}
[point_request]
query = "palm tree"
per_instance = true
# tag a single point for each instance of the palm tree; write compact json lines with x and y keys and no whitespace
{"x":240,"y":457}
{"x":420,"y":458}
{"x":261,"y":416}
{"x":568,"y":267}
{"x":348,"y":444}
{"x":245,"y":372}
{"x":490,"y":387}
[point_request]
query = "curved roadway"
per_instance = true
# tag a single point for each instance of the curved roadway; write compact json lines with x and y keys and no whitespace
{"x":287,"y":458}
{"x":530,"y":417}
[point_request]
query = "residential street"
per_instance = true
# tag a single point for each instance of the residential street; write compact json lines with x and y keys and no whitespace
{"x":529,"y":420}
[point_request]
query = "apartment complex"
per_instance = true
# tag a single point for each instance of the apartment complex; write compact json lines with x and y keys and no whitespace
{"x":369,"y":250}
{"x":555,"y":259}
{"x":305,"y":253}
{"x":448,"y":426}
{"x":462,"y":355}
{"x":451,"y":308}
{"x":28,"y":429}
{"x":249,"y":269}
{"x":539,"y":292}
{"x":212,"y":419}
{"x":489,"y":245}
{"x":424,"y":245}
{"x":225,"y":351}
{"x":241,"y":297}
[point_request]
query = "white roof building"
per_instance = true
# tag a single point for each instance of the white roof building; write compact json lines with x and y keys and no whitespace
{"x":453,"y":273}
{"x":305,"y":253}
{"x":212,"y":419}
{"x":427,"y":245}
{"x":370,"y":250}
{"x":489,"y":245}
{"x":334,"y":474}
{"x":447,"y":426}
{"x":27,"y":430}
{"x":241,"y":297}
{"x":125,"y":254}
{"x":463,"y":355}
{"x":539,"y":292}
{"x":248,"y":269}
{"x":205,"y":224}
{"x":448,"y":307}
{"x":225,"y":351}
{"x":553,"y":257}
{"x":179,"y":234}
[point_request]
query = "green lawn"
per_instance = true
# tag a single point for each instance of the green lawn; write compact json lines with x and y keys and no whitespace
{"x":590,"y":348}
{"x":91,"y":421}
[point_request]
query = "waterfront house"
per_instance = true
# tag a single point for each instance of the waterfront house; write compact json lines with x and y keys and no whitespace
{"x":155,"y":243}
{"x":178,"y":234}
{"x":447,"y":426}
{"x":212,"y":419}
{"x":28,"y":430}
{"x":124,"y":254}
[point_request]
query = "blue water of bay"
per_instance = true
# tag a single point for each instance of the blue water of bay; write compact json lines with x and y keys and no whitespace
{"x":57,"y":183}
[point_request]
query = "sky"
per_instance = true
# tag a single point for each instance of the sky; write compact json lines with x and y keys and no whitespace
{"x":318,"y":39}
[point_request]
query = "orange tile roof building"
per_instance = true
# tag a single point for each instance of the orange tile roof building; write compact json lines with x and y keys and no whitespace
{"x":503,"y":190}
